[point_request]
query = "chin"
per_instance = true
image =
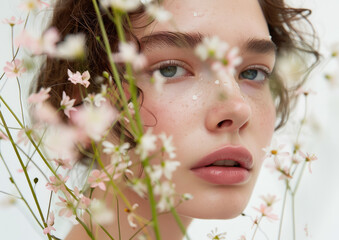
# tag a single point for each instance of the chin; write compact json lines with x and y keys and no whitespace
{"x":221,"y":206}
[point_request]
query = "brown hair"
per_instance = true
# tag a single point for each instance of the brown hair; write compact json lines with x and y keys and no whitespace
{"x":78,"y":16}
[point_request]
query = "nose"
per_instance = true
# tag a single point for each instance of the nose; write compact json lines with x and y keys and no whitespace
{"x":229,"y":114}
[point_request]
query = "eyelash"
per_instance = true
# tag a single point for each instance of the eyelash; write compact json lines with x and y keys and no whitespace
{"x":266,"y":71}
{"x":169,"y":63}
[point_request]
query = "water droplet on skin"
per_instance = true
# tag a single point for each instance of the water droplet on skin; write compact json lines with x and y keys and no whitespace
{"x":197,"y":14}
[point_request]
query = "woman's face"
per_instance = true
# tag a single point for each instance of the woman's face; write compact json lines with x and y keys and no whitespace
{"x":231,"y":120}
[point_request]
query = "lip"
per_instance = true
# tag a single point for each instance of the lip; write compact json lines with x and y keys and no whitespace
{"x":225,"y":175}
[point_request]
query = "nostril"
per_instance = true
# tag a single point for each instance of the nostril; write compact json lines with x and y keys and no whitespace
{"x":225,"y":123}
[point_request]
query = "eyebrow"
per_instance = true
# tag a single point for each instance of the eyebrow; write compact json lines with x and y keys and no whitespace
{"x":191,"y":40}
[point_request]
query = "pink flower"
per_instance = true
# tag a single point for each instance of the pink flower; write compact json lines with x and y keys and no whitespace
{"x":64,"y":163}
{"x":45,"y":113}
{"x":269,"y":199}
{"x":67,"y":104}
{"x":56,"y":184}
{"x":50,"y":224}
{"x":42,"y":45}
{"x":303,"y":91}
{"x":97,"y":179}
{"x":39,"y":97}
{"x":117,"y":169}
{"x":3,"y":136}
{"x":13,"y":21}
{"x":83,"y":202}
{"x":31,"y":5}
{"x":22,"y":136}
{"x":275,"y":150}
{"x":94,"y":121}
{"x":77,"y":77}
{"x":283,"y":170}
{"x":308,"y":158}
{"x":14,"y":69}
{"x":266,"y":211}
{"x":67,"y":207}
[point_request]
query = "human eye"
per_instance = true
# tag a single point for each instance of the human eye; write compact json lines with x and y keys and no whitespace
{"x":171,"y":69}
{"x":255,"y":73}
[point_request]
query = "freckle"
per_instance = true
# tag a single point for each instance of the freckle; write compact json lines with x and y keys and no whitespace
{"x":194,"y":97}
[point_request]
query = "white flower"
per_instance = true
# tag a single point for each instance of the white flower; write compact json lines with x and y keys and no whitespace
{"x":138,"y":186}
{"x":211,"y":48}
{"x":154,"y":172}
{"x":131,"y":215}
{"x":100,"y":213}
{"x":128,"y":53}
{"x":169,"y":167}
{"x":159,"y":81}
{"x":166,"y":192}
{"x":146,"y":144}
{"x":158,"y":12}
{"x":110,"y":148}
{"x":187,"y":196}
{"x":168,"y":145}
{"x":95,"y":99}
{"x":73,"y":47}
{"x":123,"y":5}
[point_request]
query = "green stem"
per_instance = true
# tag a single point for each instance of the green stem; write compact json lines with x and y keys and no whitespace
{"x":20,"y":100}
{"x":25,"y":172}
{"x":293,"y":217}
{"x":118,"y":217}
{"x":153,"y":208}
{"x":112,"y":64}
{"x":107,"y":233}
{"x":178,"y":220}
{"x":282,"y":212}
{"x":21,"y":196}
{"x":89,"y":233}
{"x":131,"y":82}
{"x":299,"y":179}
{"x":12,"y":33}
{"x":256,"y":229}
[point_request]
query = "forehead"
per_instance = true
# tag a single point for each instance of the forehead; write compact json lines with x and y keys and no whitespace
{"x":233,"y":21}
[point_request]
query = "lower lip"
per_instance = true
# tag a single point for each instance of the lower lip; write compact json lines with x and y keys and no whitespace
{"x":223,"y":175}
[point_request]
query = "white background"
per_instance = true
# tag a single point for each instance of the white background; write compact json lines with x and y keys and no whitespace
{"x":317,"y":201}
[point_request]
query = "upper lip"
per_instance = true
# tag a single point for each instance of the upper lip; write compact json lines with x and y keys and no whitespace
{"x":238,"y":154}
